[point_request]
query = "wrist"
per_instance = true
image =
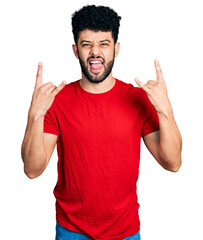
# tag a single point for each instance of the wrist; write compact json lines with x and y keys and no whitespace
{"x":167,"y":112}
{"x":34,"y":116}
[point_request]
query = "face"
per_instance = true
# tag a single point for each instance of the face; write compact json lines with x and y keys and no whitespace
{"x":96,"y":52}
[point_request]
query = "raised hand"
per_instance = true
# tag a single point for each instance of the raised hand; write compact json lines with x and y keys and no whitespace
{"x":43,"y":95}
{"x":156,"y":91}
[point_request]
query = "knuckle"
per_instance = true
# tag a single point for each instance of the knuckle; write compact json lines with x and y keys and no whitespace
{"x":41,"y":89}
{"x":152,"y":82}
{"x":49,"y":84}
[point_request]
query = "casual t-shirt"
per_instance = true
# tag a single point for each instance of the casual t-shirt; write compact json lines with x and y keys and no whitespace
{"x":98,"y":145}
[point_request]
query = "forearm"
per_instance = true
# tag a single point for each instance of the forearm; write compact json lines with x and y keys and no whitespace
{"x":33,"y":149}
{"x":170,"y":145}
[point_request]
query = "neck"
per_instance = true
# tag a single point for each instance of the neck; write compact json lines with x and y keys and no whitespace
{"x":101,"y":87}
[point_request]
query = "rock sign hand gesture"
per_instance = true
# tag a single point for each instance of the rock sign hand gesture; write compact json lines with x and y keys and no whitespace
{"x":156,"y":91}
{"x":43,"y":95}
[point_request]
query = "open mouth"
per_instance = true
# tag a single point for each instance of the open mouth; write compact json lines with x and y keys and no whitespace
{"x":95,"y":64}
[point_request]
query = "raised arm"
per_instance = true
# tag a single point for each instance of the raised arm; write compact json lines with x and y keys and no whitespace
{"x":166,"y":144}
{"x":37,"y":146}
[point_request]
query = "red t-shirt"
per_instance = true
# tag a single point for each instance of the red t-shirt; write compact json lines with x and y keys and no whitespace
{"x":99,"y":136}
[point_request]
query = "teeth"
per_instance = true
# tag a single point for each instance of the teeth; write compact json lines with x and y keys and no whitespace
{"x":95,"y":62}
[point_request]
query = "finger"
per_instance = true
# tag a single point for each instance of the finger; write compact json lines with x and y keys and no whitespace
{"x":51,"y":89}
{"x":151,"y":82}
{"x":149,"y":86}
{"x":59,"y":88}
{"x":158,"y":71}
{"x":141,"y":85}
{"x":39,"y":76}
{"x":47,"y":85}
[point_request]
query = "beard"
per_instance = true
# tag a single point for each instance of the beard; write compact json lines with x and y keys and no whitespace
{"x":95,"y":78}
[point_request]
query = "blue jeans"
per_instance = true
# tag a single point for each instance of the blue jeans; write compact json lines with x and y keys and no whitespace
{"x":65,"y":234}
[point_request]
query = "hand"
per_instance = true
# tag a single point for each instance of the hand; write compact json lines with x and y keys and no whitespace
{"x":43,"y":95}
{"x":157,"y":91}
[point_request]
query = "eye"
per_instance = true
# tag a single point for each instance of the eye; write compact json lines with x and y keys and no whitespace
{"x":86,"y":45}
{"x":104,"y":44}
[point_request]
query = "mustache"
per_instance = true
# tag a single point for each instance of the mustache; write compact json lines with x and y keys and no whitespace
{"x":95,"y":58}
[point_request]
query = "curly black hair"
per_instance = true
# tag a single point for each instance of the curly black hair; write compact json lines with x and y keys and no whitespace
{"x":96,"y":18}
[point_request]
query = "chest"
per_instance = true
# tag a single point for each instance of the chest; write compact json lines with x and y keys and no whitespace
{"x":100,"y":120}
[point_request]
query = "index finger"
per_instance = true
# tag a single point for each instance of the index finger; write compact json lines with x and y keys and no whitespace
{"x":158,"y":71}
{"x":39,"y":76}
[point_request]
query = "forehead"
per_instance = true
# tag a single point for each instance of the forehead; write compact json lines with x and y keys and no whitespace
{"x":91,"y":35}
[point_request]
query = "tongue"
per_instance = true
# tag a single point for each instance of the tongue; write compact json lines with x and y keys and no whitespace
{"x":96,"y":66}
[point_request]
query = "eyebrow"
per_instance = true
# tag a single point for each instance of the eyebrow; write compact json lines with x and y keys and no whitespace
{"x":85,"y":41}
{"x":99,"y":41}
{"x":105,"y":40}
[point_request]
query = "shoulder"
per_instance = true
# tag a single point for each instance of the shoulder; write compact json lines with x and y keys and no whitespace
{"x":66,"y":91}
{"x":133,"y":92}
{"x":137,"y":97}
{"x":65,"y":95}
{"x":68,"y":87}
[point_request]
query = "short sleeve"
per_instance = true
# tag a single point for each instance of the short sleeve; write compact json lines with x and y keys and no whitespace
{"x":151,"y":124}
{"x":150,"y":117}
{"x":50,"y":122}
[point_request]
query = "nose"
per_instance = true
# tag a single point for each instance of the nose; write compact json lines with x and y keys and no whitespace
{"x":95,"y":50}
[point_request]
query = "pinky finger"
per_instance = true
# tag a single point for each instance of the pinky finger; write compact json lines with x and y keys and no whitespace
{"x":141,"y":85}
{"x":59,"y":88}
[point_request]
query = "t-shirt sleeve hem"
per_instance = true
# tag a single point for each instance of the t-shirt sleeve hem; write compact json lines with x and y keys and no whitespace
{"x":150,"y":131}
{"x":50,"y":131}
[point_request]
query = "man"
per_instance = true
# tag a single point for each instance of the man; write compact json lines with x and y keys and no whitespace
{"x":97,"y":123}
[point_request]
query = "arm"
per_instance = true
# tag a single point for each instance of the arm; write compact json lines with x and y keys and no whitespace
{"x":166,"y":144}
{"x":37,"y":146}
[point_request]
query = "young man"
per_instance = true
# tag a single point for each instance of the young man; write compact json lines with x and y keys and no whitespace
{"x":97,"y":123}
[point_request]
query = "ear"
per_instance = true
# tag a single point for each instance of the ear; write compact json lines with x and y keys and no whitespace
{"x":75,"y":50}
{"x":117,"y":48}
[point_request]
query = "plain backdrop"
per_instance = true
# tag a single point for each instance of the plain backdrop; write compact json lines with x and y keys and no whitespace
{"x":40,"y":30}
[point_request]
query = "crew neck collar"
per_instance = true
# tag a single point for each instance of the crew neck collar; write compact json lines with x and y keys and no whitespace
{"x":97,"y":94}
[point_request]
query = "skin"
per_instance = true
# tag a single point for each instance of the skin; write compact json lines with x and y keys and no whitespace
{"x":166,"y":144}
{"x":37,"y":147}
{"x":96,"y":44}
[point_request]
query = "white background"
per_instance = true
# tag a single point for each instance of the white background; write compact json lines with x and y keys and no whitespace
{"x":40,"y":30}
